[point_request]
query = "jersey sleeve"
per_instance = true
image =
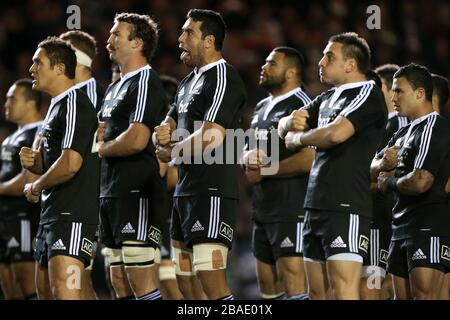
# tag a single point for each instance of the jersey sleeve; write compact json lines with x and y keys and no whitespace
{"x":433,"y":145}
{"x":224,"y":96}
{"x":368,"y":108}
{"x":78,"y":123}
{"x":313,"y":111}
{"x":147,"y":101}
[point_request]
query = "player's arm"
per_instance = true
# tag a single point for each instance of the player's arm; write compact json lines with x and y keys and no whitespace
{"x":62,"y":170}
{"x":328,"y":136}
{"x":131,"y":141}
{"x":297,"y":164}
{"x":14,"y":186}
{"x":414,"y":183}
{"x":210,"y":134}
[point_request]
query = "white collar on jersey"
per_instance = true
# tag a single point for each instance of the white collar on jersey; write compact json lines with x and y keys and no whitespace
{"x":274,"y":101}
{"x":60,"y":96}
{"x":422,"y":118}
{"x":392,"y":114}
{"x":208,"y":66}
{"x":337,"y":92}
{"x":30,"y":125}
{"x":82,"y":84}
{"x":132,"y":73}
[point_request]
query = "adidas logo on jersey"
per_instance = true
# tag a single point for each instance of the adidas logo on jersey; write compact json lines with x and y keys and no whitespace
{"x":58,"y":245}
{"x":418,"y":255}
{"x":197,"y":227}
{"x":338,"y":243}
{"x":286,"y":243}
{"x":128,"y":229}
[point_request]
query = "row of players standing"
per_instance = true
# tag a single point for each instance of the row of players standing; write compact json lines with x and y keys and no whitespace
{"x":214,"y":94}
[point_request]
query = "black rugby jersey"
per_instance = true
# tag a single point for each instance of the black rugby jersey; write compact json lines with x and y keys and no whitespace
{"x":213,"y":93}
{"x":280,"y":198}
{"x":384,"y":202}
{"x":94,"y":90}
{"x":137,"y":97}
{"x":424,"y":144}
{"x":339,"y":179}
{"x":71,"y":123}
{"x":10,"y":165}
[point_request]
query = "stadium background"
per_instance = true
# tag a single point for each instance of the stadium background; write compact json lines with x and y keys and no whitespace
{"x":410,"y":31}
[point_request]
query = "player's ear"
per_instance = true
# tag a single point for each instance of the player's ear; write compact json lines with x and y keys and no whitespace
{"x":209,"y":41}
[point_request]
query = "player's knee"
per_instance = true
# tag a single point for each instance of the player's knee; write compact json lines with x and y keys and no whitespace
{"x":182,"y":259}
{"x":167,"y":273}
{"x":157,"y":256}
{"x":137,"y":255}
{"x":210,"y":257}
{"x":113,"y":257}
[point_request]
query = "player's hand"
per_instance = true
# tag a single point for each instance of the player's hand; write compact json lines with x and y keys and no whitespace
{"x":292,"y":140}
{"x":164,"y":153}
{"x":28,"y":157}
{"x":255,"y":159}
{"x":101,"y":131}
{"x":390,"y":159}
{"x":298,"y":120}
{"x":382,"y":176}
{"x":253,"y":176}
{"x":162,"y":134}
{"x":30,"y":194}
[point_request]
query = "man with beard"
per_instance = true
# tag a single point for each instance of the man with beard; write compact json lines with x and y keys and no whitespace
{"x":278,"y":198}
{"x":131,"y":188}
{"x":208,"y":101}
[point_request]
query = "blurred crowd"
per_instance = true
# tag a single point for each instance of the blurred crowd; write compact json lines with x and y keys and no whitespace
{"x":410,"y":31}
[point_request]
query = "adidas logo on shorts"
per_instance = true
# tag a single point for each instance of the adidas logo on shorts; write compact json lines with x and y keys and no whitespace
{"x":418,"y":255}
{"x":58,"y":245}
{"x":12,"y":243}
{"x":338,"y":243}
{"x":286,"y":243}
{"x":197,"y":227}
{"x":128,"y":229}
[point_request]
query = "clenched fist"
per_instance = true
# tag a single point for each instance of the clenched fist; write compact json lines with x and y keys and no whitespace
{"x":162,"y":134}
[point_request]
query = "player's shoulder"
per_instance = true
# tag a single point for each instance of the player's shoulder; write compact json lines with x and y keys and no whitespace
{"x":262,"y":103}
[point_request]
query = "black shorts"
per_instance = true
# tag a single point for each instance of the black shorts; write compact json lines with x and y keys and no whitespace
{"x":379,"y":241}
{"x":203,"y":219}
{"x":426,"y":252}
{"x":327,"y":233}
{"x":18,"y":239}
{"x":72,"y":239}
{"x":130,"y":218}
{"x":274,"y":240}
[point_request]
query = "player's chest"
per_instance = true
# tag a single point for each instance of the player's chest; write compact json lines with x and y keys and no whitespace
{"x":265,"y":120}
{"x":117,"y":103}
{"x":330,"y":109}
{"x":409,"y":148}
{"x":190,"y":100}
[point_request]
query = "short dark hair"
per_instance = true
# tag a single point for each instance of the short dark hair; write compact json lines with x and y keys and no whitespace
{"x":29,"y":93}
{"x":60,"y":51}
{"x":440,"y":89}
{"x":354,"y":47}
{"x":418,"y":76}
{"x":294,"y":58}
{"x":386,"y":72}
{"x":144,"y":28}
{"x":82,"y":41}
{"x":372,"y":75}
{"x":212,"y":24}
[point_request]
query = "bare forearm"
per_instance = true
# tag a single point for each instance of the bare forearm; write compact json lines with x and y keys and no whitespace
{"x":13,"y":187}
{"x":297,"y":164}
{"x":322,"y":138}
{"x":60,"y":172}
